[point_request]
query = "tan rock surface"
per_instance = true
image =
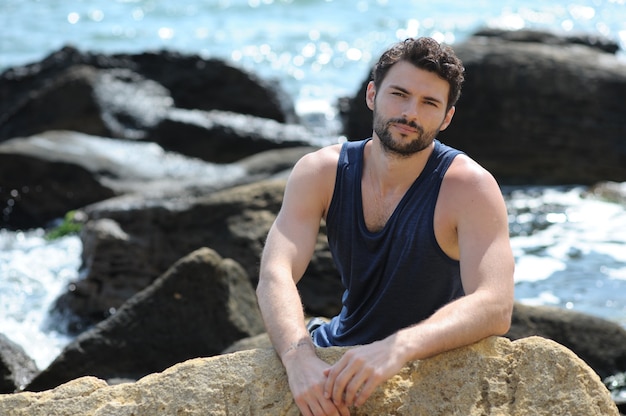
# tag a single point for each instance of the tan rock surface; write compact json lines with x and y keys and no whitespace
{"x":531,"y":376}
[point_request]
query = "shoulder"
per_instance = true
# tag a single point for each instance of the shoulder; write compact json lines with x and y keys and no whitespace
{"x":312,"y":179}
{"x":470,"y":192}
{"x":471,"y":211}
{"x":466,"y":176}
{"x":321,"y":159}
{"x":316,"y":167}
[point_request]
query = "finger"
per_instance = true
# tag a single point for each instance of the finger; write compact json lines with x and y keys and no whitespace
{"x":341,"y":380}
{"x":316,"y":409}
{"x":366,"y":391}
{"x":331,"y":409}
{"x":354,"y":387}
{"x":331,"y":377}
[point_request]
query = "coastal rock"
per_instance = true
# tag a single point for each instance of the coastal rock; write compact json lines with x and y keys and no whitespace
{"x":143,"y":236}
{"x":48,"y":174}
{"x":87,"y":92}
{"x":610,"y":191}
{"x":200,"y":306}
{"x":17,"y":369}
{"x":535,"y":109}
{"x":532,"y":376}
{"x":38,"y":187}
{"x":224,"y":137}
{"x":599,"y":342}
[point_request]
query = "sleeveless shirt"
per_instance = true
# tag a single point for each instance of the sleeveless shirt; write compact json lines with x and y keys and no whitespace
{"x":395,"y":277}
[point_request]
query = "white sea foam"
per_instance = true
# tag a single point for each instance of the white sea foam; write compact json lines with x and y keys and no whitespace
{"x":33,"y":272}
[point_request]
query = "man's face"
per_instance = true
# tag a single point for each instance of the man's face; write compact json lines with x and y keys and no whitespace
{"x":409,"y":108}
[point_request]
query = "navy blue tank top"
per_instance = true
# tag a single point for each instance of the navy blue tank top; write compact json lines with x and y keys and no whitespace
{"x":395,"y":277}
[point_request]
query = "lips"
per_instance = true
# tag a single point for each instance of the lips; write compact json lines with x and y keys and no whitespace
{"x":405,"y":128}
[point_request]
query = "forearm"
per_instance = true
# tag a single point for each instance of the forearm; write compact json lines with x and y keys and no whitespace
{"x":459,"y":323}
{"x":283,"y":316}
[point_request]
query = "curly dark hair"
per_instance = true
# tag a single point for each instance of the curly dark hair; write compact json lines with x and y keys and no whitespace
{"x":425,"y":53}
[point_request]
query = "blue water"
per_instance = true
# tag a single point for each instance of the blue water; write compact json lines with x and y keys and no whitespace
{"x":318,"y":49}
{"x":570,"y":249}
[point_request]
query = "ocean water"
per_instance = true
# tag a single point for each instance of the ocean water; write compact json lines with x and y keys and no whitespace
{"x":570,"y":247}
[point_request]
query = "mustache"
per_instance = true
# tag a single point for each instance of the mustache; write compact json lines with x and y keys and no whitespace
{"x":407,"y":123}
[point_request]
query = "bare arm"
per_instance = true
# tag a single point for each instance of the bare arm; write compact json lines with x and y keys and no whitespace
{"x":288,"y":251}
{"x":473,"y":227}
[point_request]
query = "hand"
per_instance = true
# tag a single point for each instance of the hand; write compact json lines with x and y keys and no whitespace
{"x":352,"y":379}
{"x":306,"y":381}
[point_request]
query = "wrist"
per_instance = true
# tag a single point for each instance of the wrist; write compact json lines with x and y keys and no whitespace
{"x":297,"y":349}
{"x":403,"y":346}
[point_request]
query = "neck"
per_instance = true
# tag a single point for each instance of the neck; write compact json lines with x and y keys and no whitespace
{"x":391,"y":173}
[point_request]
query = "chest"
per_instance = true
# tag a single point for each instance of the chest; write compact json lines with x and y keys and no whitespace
{"x":378,"y":207}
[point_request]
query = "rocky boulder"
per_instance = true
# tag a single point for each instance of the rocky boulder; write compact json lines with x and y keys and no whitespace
{"x":599,"y":342}
{"x":532,"y":376}
{"x":121,"y":95}
{"x":17,"y":369}
{"x":48,"y":174}
{"x":225,"y":137}
{"x":535,"y":109}
{"x":200,"y":306}
{"x":128,"y":242}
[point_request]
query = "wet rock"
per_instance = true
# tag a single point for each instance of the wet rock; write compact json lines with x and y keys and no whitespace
{"x":224,"y":137}
{"x":200,"y":306}
{"x":599,"y":342}
{"x":121,"y":95}
{"x":46,"y":175}
{"x":17,"y":369}
{"x":142,"y":236}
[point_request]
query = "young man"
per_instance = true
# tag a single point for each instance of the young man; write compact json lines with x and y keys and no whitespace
{"x":418,"y":231}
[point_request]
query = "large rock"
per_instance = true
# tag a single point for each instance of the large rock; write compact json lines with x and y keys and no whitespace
{"x":48,"y":174}
{"x":532,"y":376}
{"x":128,"y":242}
{"x":17,"y":369}
{"x":535,"y":109}
{"x":225,"y":137}
{"x":121,"y":95}
{"x":199,"y":307}
{"x":599,"y":342}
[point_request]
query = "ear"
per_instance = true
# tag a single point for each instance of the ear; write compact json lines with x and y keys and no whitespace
{"x":448,"y":118}
{"x":370,"y":95}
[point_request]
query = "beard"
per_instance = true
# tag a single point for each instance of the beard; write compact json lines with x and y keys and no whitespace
{"x":404,"y":147}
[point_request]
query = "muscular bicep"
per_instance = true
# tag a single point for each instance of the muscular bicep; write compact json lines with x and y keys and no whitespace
{"x":482,"y":232}
{"x":292,"y":238}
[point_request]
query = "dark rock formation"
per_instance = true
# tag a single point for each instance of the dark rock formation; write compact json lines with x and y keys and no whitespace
{"x":120,"y":95}
{"x":201,"y":305}
{"x":129,"y":241}
{"x":48,"y":174}
{"x":535,"y":109}
{"x":224,"y":137}
{"x":600,"y":343}
{"x":17,"y":369}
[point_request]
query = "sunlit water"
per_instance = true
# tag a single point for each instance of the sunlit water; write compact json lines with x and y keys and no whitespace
{"x":317,"y":49}
{"x":33,"y":273}
{"x":570,"y":249}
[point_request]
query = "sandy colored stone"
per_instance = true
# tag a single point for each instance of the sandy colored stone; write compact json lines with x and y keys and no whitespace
{"x":531,"y":376}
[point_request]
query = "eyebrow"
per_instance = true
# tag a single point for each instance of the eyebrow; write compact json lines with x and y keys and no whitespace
{"x":405,"y":91}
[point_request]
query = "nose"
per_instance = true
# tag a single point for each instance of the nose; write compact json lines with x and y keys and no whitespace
{"x":409,"y":112}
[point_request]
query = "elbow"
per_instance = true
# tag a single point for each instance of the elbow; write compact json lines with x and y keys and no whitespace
{"x":502,"y":318}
